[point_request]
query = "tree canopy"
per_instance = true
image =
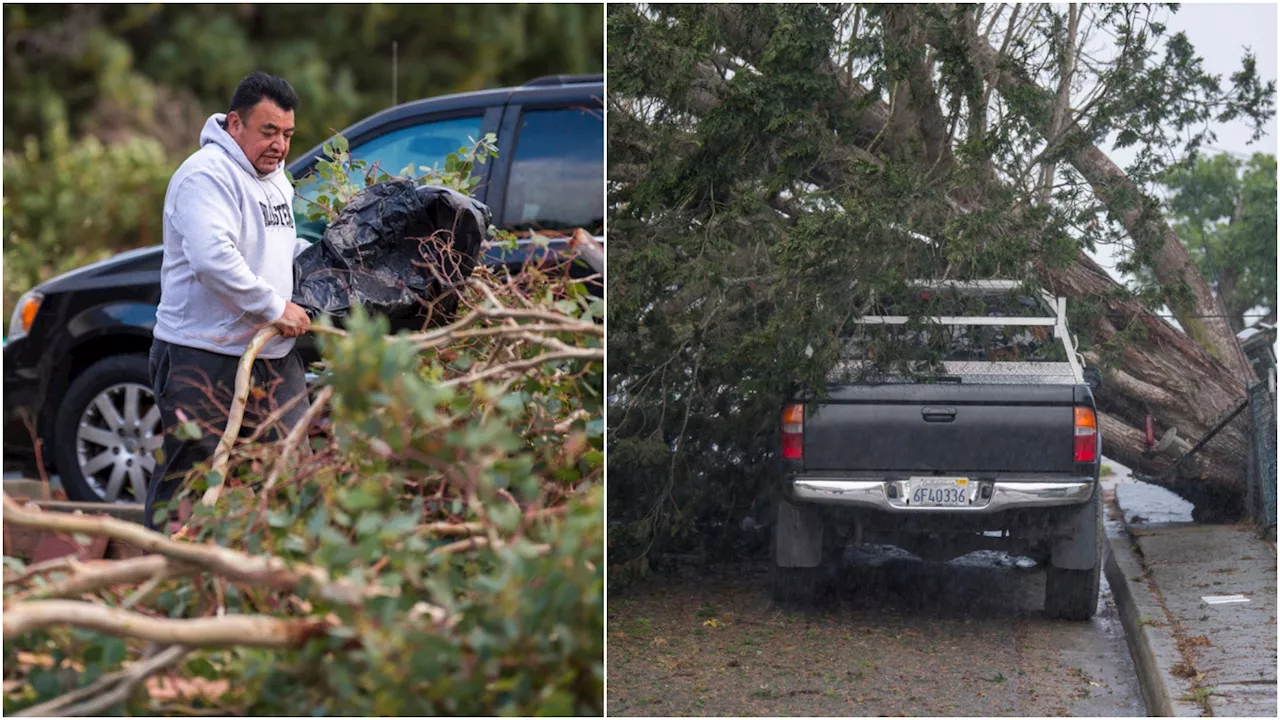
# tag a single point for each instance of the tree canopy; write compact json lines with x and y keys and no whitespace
{"x":151,"y":69}
{"x":1224,"y":211}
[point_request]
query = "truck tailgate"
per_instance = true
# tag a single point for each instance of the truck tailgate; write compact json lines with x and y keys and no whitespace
{"x":940,"y":427}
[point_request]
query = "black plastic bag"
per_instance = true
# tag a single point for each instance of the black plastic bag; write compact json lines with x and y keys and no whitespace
{"x":374,"y":253}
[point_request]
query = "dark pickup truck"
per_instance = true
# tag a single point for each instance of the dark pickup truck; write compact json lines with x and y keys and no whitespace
{"x":75,"y":359}
{"x":998,"y":452}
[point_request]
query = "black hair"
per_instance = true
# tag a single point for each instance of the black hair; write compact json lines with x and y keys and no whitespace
{"x":256,"y":86}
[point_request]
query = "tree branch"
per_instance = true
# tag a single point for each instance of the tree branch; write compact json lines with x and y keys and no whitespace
{"x":91,"y":577}
{"x":234,"y":565}
{"x":245,"y":630}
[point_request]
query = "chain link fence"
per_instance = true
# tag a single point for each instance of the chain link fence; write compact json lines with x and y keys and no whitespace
{"x":1262,"y":461}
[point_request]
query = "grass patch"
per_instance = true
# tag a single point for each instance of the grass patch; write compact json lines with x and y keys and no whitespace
{"x":640,"y":627}
{"x":707,"y":611}
{"x":1200,"y":696}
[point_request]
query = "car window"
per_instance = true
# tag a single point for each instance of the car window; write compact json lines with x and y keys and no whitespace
{"x":557,"y":172}
{"x":425,"y":146}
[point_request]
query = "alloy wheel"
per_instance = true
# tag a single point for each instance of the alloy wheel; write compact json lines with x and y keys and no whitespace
{"x":116,"y":440}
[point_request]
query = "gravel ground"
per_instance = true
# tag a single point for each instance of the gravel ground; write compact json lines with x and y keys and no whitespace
{"x":898,"y":636}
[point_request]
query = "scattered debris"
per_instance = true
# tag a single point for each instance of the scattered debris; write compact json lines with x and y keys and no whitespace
{"x":1224,"y":599}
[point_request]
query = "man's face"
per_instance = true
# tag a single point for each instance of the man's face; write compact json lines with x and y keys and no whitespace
{"x":263,"y":133}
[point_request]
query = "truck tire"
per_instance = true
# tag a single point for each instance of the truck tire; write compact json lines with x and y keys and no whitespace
{"x":1073,"y":594}
{"x":105,"y":432}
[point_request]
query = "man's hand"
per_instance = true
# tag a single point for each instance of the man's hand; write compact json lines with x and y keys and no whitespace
{"x":294,"y":322}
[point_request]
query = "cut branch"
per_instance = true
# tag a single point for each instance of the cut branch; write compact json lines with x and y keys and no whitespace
{"x":91,"y":577}
{"x":244,"y":630}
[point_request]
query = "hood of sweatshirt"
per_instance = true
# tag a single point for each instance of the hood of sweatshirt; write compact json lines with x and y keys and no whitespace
{"x":215,"y":133}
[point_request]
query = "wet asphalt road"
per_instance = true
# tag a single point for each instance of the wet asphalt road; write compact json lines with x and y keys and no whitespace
{"x":897,"y":636}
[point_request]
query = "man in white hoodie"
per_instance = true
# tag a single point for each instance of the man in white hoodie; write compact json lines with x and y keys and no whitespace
{"x":229,"y":246}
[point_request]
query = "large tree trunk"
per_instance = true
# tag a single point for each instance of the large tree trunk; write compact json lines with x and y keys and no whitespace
{"x":1182,"y":387}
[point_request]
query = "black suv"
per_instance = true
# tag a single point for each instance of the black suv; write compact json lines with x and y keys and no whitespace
{"x":75,"y":361}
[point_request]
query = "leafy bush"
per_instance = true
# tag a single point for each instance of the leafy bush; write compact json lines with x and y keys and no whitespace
{"x":434,"y":547}
{"x":71,"y":202}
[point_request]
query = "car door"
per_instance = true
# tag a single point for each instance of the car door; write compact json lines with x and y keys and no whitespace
{"x":551,"y":179}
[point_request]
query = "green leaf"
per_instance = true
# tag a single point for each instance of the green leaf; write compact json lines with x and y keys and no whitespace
{"x":400,"y":525}
{"x":369,"y":524}
{"x":189,"y":430}
{"x":357,"y":499}
{"x":114,"y":651}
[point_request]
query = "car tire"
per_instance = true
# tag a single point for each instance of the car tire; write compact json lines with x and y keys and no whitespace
{"x":88,"y":459}
{"x":1073,"y":594}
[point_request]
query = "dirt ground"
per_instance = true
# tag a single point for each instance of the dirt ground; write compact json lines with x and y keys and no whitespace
{"x":896,"y":636}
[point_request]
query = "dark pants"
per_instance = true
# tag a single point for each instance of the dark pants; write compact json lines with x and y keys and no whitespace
{"x":202,"y":384}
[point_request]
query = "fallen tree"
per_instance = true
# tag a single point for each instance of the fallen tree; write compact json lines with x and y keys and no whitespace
{"x":763,"y":157}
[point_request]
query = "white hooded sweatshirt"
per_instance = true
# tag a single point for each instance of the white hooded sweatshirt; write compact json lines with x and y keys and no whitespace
{"x":229,"y":245}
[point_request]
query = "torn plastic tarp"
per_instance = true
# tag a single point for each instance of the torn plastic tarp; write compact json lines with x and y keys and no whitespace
{"x":374,"y":254}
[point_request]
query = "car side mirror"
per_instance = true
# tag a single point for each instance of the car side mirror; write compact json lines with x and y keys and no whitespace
{"x":1093,"y":378}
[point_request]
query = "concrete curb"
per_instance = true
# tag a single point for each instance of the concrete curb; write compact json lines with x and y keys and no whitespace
{"x":1151,"y":646}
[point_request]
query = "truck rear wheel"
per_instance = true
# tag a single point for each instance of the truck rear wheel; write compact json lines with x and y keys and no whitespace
{"x":1073,"y":594}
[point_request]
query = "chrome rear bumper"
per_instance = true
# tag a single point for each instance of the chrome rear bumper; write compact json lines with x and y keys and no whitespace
{"x":990,"y":496}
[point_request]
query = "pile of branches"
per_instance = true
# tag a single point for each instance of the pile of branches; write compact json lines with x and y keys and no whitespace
{"x":434,"y":547}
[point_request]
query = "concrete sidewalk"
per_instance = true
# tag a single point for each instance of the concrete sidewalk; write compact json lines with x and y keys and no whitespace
{"x":1198,"y":603}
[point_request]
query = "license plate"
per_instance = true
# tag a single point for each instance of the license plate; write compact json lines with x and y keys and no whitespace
{"x":939,"y":492}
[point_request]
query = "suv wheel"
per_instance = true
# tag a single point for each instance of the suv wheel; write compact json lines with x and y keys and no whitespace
{"x":1073,"y":594}
{"x":108,"y":429}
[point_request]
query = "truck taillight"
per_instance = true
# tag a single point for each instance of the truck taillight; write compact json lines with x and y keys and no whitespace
{"x":793,"y":432}
{"x":1086,"y":435}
